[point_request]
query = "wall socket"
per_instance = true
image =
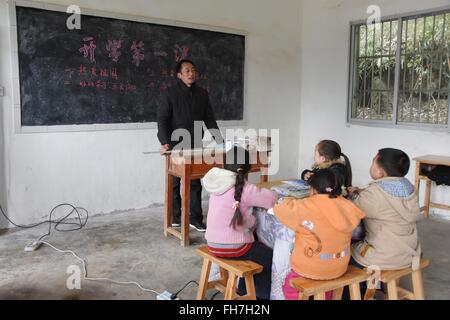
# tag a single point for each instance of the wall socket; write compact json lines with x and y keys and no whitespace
{"x":2,"y":91}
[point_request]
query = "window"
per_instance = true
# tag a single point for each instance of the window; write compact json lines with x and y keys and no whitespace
{"x":400,"y":71}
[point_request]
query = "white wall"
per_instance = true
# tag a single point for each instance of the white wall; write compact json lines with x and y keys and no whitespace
{"x":325,"y":51}
{"x":4,"y":41}
{"x":106,"y":171}
{"x":2,"y":159}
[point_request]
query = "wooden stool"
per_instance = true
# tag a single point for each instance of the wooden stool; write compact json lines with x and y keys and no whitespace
{"x":392,"y":277}
{"x":230,"y":271}
{"x":317,"y":288}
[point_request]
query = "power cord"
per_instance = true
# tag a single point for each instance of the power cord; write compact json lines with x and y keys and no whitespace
{"x":79,"y":225}
{"x":175,"y":295}
{"x":214,"y":295}
{"x":83,"y":262}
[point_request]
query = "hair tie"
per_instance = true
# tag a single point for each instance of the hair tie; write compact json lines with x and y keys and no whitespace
{"x":328,"y":189}
{"x":236,"y":205}
{"x":240,"y":170}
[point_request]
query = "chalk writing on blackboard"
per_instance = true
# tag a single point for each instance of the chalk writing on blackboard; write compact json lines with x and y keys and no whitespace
{"x":138,"y":52}
{"x":118,"y":71}
{"x":113,"y":47}
{"x":88,"y":51}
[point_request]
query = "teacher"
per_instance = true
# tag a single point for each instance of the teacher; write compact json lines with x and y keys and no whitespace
{"x":184,"y":105}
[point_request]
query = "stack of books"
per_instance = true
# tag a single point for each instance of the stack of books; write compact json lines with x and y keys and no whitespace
{"x":292,"y":188}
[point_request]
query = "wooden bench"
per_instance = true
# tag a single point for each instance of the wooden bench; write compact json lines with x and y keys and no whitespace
{"x":230,"y":271}
{"x":317,"y":288}
{"x":392,"y":278}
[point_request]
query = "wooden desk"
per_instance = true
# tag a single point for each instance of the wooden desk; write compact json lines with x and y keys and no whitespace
{"x":191,"y":165}
{"x":420,"y":163}
{"x":270,"y":184}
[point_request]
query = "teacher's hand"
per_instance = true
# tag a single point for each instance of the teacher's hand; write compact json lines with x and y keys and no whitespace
{"x":164,"y":148}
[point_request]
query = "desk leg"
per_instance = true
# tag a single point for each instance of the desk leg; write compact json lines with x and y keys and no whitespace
{"x":427,"y":198}
{"x":185,"y":209}
{"x":264,"y":177}
{"x":417,"y":179}
{"x":168,"y":206}
{"x":263,"y":161}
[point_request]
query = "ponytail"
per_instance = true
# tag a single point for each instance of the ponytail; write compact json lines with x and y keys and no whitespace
{"x":325,"y":181}
{"x":237,"y":160}
{"x":348,"y":171}
{"x":238,"y":187}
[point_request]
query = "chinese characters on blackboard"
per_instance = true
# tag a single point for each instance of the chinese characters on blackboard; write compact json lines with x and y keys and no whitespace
{"x":107,"y":78}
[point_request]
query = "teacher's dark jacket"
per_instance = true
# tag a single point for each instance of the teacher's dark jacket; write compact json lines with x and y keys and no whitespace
{"x":181,"y":106}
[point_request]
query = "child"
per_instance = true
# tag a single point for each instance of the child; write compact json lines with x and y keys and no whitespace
{"x":323,"y":225}
{"x":230,"y":220}
{"x":392,"y":210}
{"x":328,"y":155}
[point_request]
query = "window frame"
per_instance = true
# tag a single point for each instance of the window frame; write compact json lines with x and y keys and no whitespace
{"x":352,"y":69}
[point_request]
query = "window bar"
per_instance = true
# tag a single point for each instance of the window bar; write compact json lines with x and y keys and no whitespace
{"x":403,"y":89}
{"x":440,"y":58}
{"x":365,"y":76}
{"x":388,"y":94}
{"x":389,"y":56}
{"x":411,"y":86}
{"x":354,"y":80}
{"x":406,"y":54}
{"x":421,"y":76}
{"x":448,"y":92}
{"x":415,"y":34}
{"x":372,"y":98}
{"x":430,"y":74}
{"x":448,"y":109}
{"x":357,"y":85}
{"x":381,"y":72}
{"x":397,"y":71}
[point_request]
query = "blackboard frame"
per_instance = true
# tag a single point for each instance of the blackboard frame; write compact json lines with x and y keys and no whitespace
{"x":18,"y":128}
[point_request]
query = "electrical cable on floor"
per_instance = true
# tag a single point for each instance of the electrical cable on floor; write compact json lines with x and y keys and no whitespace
{"x":79,"y":225}
{"x":214,"y":295}
{"x":175,"y":295}
{"x":98,"y":279}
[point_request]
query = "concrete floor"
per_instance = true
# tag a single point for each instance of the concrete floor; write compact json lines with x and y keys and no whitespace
{"x":130,"y":246}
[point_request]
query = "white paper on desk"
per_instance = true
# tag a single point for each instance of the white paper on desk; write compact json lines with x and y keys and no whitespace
{"x":270,"y":211}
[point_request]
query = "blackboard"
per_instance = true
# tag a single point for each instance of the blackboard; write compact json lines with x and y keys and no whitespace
{"x":118,"y":71}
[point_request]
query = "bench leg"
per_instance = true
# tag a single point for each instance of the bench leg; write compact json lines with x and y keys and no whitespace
{"x":231,"y":287}
{"x":337,"y":293}
{"x":392,"y":290}
{"x":301,"y":296}
{"x":204,"y":277}
{"x":417,"y":282}
{"x":250,"y":287}
{"x":355,"y":293}
{"x":223,"y":276}
{"x":369,"y":294}
{"x":319,"y":296}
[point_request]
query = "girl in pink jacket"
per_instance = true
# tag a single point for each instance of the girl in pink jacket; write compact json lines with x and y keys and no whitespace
{"x":230,"y":220}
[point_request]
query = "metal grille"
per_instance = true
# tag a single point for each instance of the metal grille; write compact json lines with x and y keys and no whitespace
{"x":401,"y":70}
